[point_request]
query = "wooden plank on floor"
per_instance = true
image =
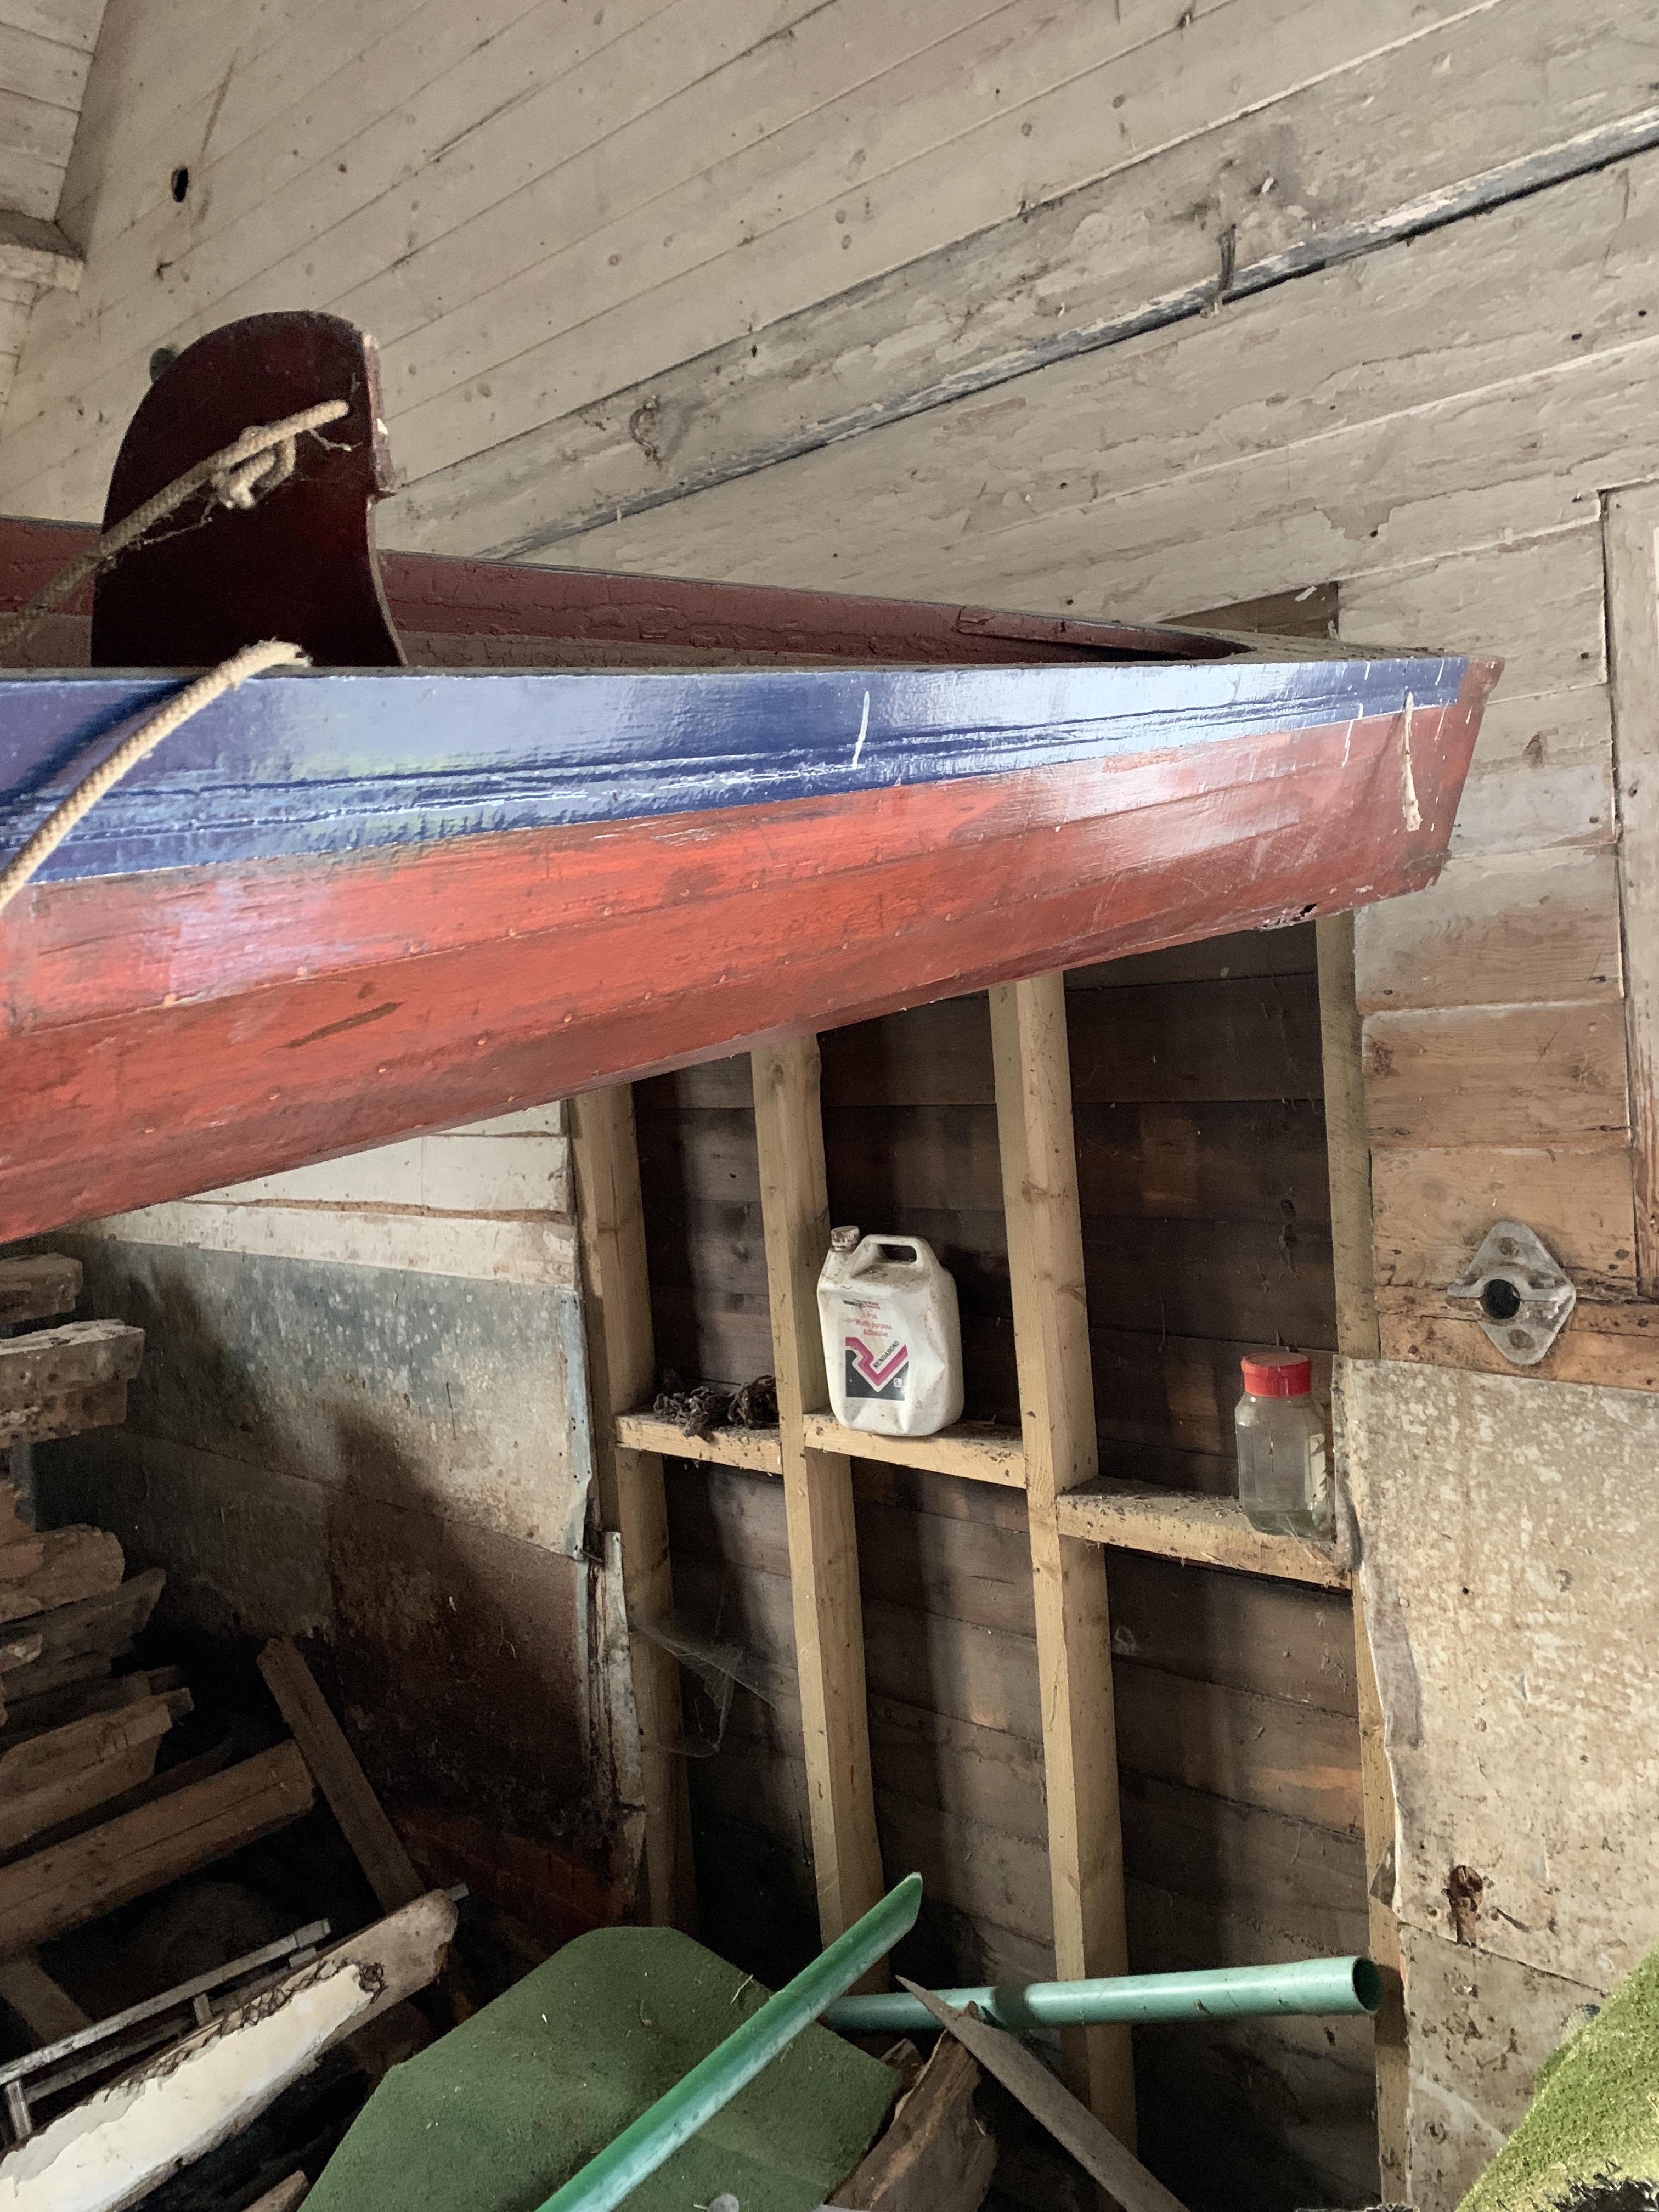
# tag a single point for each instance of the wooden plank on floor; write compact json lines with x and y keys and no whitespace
{"x":817,"y":1488}
{"x":1074,"y":1626}
{"x":58,"y":1889}
{"x":198,"y":2093}
{"x":48,"y":2012}
{"x":622,"y":1374}
{"x":377,"y":1845}
{"x":1100,"y":2150}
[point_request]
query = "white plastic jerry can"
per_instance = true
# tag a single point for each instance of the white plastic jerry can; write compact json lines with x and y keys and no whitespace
{"x":892,"y":1338}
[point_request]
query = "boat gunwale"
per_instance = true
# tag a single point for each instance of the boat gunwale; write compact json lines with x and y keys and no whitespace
{"x":250,"y":780}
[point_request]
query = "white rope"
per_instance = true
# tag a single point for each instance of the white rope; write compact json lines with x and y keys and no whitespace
{"x":239,"y":476}
{"x":272,"y":654}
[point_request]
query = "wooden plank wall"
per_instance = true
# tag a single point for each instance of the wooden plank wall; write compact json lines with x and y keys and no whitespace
{"x":45,"y":55}
{"x":1201,"y":1150}
{"x":848,"y":217}
{"x":535,"y":207}
{"x":1021,"y":305}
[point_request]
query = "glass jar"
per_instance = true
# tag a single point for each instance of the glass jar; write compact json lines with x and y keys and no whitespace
{"x":1283,"y":1470}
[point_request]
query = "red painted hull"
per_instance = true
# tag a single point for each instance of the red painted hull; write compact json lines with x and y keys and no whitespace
{"x":162,"y":1038}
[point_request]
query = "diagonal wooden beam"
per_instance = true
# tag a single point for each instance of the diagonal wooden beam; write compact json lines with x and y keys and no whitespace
{"x":335,"y":1768}
{"x":1072,"y":2125}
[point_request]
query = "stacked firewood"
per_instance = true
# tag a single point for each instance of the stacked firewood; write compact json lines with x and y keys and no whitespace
{"x":86,"y":1822}
{"x":74,"y":1732}
{"x":92,"y":1817}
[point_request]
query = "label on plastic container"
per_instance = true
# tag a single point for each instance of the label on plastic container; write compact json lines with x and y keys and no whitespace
{"x":877,"y":1357}
{"x":892,"y":1341}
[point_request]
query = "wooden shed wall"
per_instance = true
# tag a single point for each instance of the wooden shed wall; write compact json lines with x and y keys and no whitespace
{"x":1197,"y":1085}
{"x":1018,"y":303}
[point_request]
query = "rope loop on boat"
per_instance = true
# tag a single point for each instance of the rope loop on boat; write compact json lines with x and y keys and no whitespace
{"x":272,"y":652}
{"x":239,"y":476}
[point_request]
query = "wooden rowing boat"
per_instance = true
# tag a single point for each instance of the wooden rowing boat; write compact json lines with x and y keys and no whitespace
{"x":344,"y":905}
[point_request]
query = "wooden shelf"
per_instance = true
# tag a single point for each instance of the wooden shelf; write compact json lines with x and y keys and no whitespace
{"x":1209,"y":1531}
{"x":1171,"y":1524}
{"x":978,"y":1451}
{"x":759,"y":1450}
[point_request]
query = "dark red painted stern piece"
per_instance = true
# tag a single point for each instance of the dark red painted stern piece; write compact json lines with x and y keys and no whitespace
{"x":299,"y":564}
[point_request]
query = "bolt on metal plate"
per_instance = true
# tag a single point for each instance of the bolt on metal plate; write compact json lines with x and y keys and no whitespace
{"x":1521,"y":1298}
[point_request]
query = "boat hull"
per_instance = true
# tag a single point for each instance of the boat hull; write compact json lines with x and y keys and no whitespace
{"x":168,"y":1029}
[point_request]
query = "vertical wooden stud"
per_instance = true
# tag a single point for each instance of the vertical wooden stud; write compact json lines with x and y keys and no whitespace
{"x":1348,"y":1151}
{"x":1057,"y":1418}
{"x":1629,"y":526}
{"x":1347,"y":1140}
{"x":817,"y":1488}
{"x":622,"y":1374}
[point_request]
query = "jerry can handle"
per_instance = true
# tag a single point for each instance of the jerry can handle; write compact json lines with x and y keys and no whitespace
{"x":900,"y":1247}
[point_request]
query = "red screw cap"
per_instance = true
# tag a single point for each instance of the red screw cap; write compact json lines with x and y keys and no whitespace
{"x":1278,"y":1374}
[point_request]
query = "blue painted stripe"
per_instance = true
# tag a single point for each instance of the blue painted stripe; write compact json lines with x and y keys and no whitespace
{"x":332,"y":762}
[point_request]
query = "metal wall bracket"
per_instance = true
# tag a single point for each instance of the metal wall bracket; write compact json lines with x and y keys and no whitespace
{"x":1521,"y":1298}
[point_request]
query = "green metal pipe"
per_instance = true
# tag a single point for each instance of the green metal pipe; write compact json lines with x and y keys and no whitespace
{"x":659,"y":2131}
{"x":1308,"y":1985}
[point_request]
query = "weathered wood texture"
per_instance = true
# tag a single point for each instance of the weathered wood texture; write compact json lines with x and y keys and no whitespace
{"x":1495,"y":1034}
{"x":934,"y":2151}
{"x":682,"y":188}
{"x":1359,"y":1337}
{"x":132,"y":2133}
{"x":1510,"y":1555}
{"x":57,"y":1381}
{"x":1347,"y":128}
{"x":817,"y":1490}
{"x":57,"y":1889}
{"x":1031,"y":1059}
{"x":48,"y":2012}
{"x":1431,"y":423}
{"x":100,"y":1625}
{"x":406,"y":1425}
{"x":1235,"y":1697}
{"x":1631,"y":539}
{"x":1098,"y":2149}
{"x":60,"y":1566}
{"x":45,"y":53}
{"x":1349,"y":157}
{"x":58,"y":1773}
{"x":45,"y":57}
{"x":621,"y":1364}
{"x":378,"y":1849}
{"x":489,"y":1202}
{"x":38,"y":1287}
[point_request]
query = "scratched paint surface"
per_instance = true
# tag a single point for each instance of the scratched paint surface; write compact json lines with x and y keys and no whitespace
{"x":331,"y":764}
